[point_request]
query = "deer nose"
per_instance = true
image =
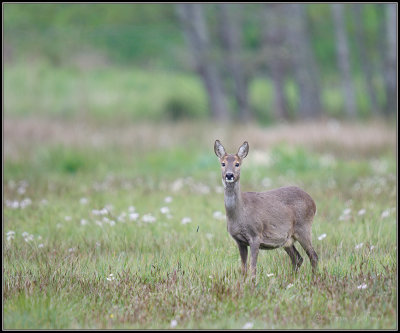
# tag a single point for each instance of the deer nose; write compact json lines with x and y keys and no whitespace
{"x":229,"y":176}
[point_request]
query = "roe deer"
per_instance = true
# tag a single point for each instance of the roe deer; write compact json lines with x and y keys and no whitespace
{"x":265,"y":220}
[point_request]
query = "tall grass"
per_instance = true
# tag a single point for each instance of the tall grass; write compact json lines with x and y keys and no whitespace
{"x":86,"y":244}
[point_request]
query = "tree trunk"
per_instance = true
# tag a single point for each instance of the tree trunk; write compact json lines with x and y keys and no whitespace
{"x":366,"y":64}
{"x":230,"y":36}
{"x":390,"y":61}
{"x":344,"y":60}
{"x":196,"y":35}
{"x":274,"y":53}
{"x":305,"y":67}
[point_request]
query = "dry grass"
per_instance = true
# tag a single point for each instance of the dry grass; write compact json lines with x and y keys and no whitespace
{"x":21,"y":134}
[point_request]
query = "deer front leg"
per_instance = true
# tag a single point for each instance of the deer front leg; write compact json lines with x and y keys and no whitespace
{"x":254,"y":249}
{"x":243,"y":255}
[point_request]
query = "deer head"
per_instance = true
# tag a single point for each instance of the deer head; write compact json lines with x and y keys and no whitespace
{"x":230,"y":164}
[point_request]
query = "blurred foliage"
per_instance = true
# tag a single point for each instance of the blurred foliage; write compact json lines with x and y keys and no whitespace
{"x":125,"y":33}
{"x":59,"y":57}
{"x":146,"y":33}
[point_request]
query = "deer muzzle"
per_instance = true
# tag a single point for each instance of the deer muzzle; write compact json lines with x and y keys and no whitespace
{"x":229,"y":177}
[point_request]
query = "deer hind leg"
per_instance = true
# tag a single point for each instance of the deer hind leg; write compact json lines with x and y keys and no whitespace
{"x":295,"y":256}
{"x":304,"y":238}
{"x":254,"y":249}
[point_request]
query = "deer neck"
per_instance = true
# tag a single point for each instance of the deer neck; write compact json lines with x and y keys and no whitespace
{"x":233,"y":199}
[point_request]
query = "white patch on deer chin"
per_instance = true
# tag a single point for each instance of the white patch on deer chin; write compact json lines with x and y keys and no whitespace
{"x":226,"y":183}
{"x":229,"y":180}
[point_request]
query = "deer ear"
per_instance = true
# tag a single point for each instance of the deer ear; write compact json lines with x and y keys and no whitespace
{"x":243,"y":150}
{"x":219,"y":149}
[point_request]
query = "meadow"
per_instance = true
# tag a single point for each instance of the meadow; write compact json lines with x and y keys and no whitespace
{"x":122,"y":225}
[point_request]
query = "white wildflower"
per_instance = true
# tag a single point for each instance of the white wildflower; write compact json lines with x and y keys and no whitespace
{"x":84,"y":222}
{"x":98,"y":244}
{"x":41,"y":245}
{"x":248,"y":326}
{"x":131,"y":209}
{"x":359,"y":246}
{"x":168,"y":199}
{"x":10,"y":235}
{"x":270,"y":274}
{"x":102,"y":211}
{"x":361,"y":212}
{"x":99,"y":223}
{"x":133,"y":216}
{"x":24,"y":203}
{"x":210,"y":276}
{"x":28,"y":238}
{"x":112,"y":223}
{"x":371,"y":247}
{"x":347,"y":211}
{"x":12,"y":204}
{"x":218,"y":215}
{"x":72,"y":249}
{"x":68,"y":218}
{"x":111,"y":277}
{"x":164,"y":210}
{"x":290,"y":285}
{"x":321,"y":237}
{"x":148,"y":218}
{"x":21,"y":190}
{"x":173,"y":323}
{"x":186,"y":220}
{"x":83,"y":201}
{"x":385,"y":213}
{"x":362,"y":286}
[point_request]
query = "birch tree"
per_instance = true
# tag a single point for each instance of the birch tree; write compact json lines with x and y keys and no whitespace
{"x":342,"y":50}
{"x":390,"y":71}
{"x":303,"y":60}
{"x":274,"y":52}
{"x":367,"y":65}
{"x":196,"y":35}
{"x":230,"y":36}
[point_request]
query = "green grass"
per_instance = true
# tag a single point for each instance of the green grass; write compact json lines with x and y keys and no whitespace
{"x":166,"y":270}
{"x":107,"y":93}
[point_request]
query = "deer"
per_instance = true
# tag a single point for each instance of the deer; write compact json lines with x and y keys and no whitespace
{"x":265,"y":220}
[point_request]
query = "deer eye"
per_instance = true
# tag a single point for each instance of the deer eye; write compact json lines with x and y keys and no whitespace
{"x":237,"y":164}
{"x":223,"y":164}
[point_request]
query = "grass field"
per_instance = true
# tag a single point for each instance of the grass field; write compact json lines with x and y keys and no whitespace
{"x":122,"y":226}
{"x":104,"y":92}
